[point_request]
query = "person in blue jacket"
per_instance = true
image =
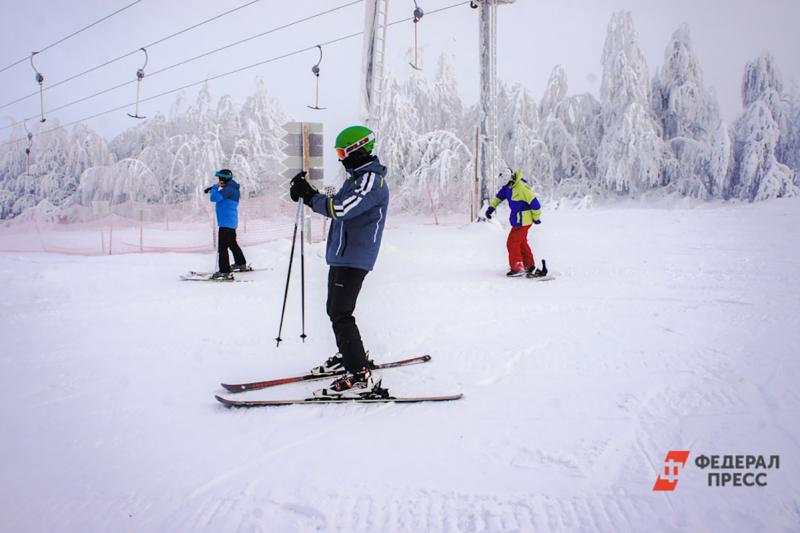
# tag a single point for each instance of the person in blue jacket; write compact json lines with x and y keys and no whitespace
{"x":225,"y":194}
{"x":358,"y":217}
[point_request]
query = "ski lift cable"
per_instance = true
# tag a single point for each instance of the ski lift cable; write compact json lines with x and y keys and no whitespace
{"x":193,"y":84}
{"x":236,"y":71}
{"x":195,"y":58}
{"x":73,"y":34}
{"x":123,"y":56}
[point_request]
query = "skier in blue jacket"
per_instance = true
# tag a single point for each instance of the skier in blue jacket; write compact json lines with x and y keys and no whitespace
{"x":225,"y":194}
{"x":358,"y":216}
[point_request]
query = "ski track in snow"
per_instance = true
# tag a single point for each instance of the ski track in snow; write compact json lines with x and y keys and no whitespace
{"x":663,"y":329}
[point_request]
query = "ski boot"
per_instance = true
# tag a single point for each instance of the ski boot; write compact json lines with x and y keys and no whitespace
{"x":242,"y":268}
{"x":222,"y":276}
{"x":357,"y":385}
{"x":516,"y":271}
{"x":335,"y":365}
{"x":538,"y":272}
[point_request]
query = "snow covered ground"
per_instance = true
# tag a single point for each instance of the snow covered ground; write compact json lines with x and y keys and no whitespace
{"x":666,"y":329}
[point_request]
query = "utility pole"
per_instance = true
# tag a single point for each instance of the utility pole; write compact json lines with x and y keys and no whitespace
{"x":372,"y":71}
{"x":488,"y":147}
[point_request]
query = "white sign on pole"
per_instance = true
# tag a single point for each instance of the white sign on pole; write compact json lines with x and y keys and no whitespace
{"x":294,"y":150}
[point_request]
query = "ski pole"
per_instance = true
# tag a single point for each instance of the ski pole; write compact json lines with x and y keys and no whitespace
{"x":302,"y":269}
{"x":289,"y":272}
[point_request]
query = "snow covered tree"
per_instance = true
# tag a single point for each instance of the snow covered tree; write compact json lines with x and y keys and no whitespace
{"x":721,"y":164}
{"x":48,"y":179}
{"x":437,"y":102}
{"x":681,"y":103}
{"x":87,"y":149}
{"x":555,"y":92}
{"x":569,"y":126}
{"x":163,"y":160}
{"x":581,"y":114}
{"x":261,"y":141}
{"x":763,"y":81}
{"x":757,"y":172}
{"x":761,"y":134}
{"x":399,"y":126}
{"x":518,"y":122}
{"x":517,"y":113}
{"x":420,"y":141}
{"x":631,"y":152}
{"x":13,"y":159}
{"x":567,"y":168}
{"x":440,"y":173}
{"x":788,"y":150}
{"x":689,"y":118}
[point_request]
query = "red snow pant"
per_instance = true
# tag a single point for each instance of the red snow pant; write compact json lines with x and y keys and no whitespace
{"x":520,"y":256}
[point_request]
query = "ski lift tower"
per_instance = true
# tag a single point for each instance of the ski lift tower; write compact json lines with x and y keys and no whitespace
{"x":489,"y":151}
{"x":376,"y":13}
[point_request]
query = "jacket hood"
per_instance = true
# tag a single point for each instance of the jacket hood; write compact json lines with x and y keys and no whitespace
{"x":517,"y":177}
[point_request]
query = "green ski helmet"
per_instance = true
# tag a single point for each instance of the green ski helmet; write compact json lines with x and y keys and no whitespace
{"x":351,"y":139}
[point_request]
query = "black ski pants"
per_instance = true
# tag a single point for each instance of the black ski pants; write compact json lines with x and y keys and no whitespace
{"x":344,"y":284}
{"x":227,"y":241}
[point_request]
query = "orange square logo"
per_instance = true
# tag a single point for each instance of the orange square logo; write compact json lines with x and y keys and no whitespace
{"x":673,"y":463}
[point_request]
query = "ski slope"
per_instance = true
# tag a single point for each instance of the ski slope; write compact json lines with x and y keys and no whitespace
{"x":665,"y":329}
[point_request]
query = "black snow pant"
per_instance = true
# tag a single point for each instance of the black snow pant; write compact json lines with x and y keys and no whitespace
{"x":227,"y":241}
{"x":344,"y":284}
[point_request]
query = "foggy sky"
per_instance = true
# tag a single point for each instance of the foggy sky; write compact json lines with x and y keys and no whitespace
{"x":533,"y":37}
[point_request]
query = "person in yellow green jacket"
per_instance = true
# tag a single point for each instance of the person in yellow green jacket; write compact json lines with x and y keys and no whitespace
{"x":525,"y":210}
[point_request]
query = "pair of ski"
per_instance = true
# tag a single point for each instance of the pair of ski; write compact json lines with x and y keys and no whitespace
{"x":207,"y":276}
{"x":257,"y":385}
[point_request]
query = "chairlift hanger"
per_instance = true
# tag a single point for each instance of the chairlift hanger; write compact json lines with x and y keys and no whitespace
{"x":315,"y":70}
{"x":30,"y":137}
{"x":139,"y":78}
{"x":418,"y":14}
{"x":40,"y":81}
{"x":28,"y":149}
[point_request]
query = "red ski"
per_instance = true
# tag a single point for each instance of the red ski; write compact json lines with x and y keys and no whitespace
{"x":242,"y":387}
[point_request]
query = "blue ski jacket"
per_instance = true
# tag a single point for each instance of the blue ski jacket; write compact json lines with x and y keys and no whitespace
{"x":358,"y":214}
{"x":227,"y":200}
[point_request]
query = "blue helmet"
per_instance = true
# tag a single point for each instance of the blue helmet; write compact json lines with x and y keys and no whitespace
{"x":225,"y":174}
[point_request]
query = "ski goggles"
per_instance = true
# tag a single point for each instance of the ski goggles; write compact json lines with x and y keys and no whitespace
{"x":344,"y":152}
{"x":224,"y":177}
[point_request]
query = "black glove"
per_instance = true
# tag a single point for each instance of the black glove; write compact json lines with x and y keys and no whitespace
{"x":302,"y":189}
{"x":207,"y":190}
{"x":489,"y":211}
